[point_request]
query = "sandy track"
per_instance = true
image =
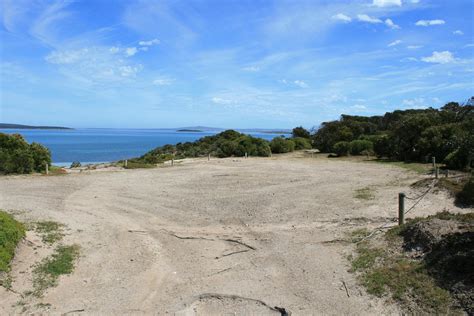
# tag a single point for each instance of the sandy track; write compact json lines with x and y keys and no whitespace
{"x":242,"y":235}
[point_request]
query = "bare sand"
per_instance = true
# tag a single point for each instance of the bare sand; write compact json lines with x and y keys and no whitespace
{"x":209,"y":237}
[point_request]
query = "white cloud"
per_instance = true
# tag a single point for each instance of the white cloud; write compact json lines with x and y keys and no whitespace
{"x":359,"y":107}
{"x":163,"y":81}
{"x":415,"y":103}
{"x":300,"y":83}
{"x":66,"y":57}
{"x":458,"y":32}
{"x":152,"y":42}
{"x":439,"y":57}
{"x":218,"y":100}
{"x":114,"y":49}
{"x":429,"y":22}
{"x":130,"y":51}
{"x":392,"y":25}
{"x":414,"y":46}
{"x":394,"y":43}
{"x":387,"y":3}
{"x":342,"y":17}
{"x":251,"y":69}
{"x":129,"y":71}
{"x":368,"y":19}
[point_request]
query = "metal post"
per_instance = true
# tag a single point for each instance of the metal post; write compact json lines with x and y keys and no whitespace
{"x":401,"y":208}
{"x":436,"y":172}
{"x":47,"y":168}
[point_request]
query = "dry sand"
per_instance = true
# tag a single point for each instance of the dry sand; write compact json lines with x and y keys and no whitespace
{"x":210,"y":237}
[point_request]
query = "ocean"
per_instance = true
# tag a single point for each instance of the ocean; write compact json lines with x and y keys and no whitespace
{"x":93,"y":145}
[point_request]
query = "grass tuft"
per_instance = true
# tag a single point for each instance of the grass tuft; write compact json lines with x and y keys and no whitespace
{"x":364,"y":194}
{"x":50,"y":231}
{"x":47,"y":272}
{"x":421,"y":168}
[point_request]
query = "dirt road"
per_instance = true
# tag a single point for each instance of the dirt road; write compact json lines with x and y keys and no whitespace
{"x":228,"y":235}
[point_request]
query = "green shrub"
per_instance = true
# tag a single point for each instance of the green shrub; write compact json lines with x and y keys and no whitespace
{"x":11,"y":232}
{"x":358,"y":146}
{"x":75,"y":164}
{"x":302,"y":143}
{"x":342,"y":148}
{"x":300,"y":132}
{"x":456,"y":160}
{"x":466,"y":195}
{"x":281,"y":145}
{"x":17,"y":156}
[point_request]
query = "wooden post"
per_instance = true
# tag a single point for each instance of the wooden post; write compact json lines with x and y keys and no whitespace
{"x":47,"y":168}
{"x":447,"y":173}
{"x":209,"y":157}
{"x":246,"y":155}
{"x":172,"y":162}
{"x":126,"y":163}
{"x":401,"y":208}
{"x":433,"y":159}
{"x":436,"y":172}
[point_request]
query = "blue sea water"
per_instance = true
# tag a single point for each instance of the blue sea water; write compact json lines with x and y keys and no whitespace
{"x":103,"y":145}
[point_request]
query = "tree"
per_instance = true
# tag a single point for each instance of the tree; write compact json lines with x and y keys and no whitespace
{"x":300,"y":132}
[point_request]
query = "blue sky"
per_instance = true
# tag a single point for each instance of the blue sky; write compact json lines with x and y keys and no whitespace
{"x":233,"y":63}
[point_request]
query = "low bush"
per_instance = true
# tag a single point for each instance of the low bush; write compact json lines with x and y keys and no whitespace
{"x":11,"y":232}
{"x":17,"y":156}
{"x":280,"y":145}
{"x":302,"y":143}
{"x":342,"y":148}
{"x":358,"y":146}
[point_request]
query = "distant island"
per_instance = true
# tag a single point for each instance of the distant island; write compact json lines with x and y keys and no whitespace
{"x":190,"y":130}
{"x":19,"y":126}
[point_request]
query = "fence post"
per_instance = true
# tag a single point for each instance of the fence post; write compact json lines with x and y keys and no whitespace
{"x":447,"y":173}
{"x":246,"y":155}
{"x":433,"y":159}
{"x":126,"y":163}
{"x":401,"y":208}
{"x":209,"y":157}
{"x":436,"y":172}
{"x":172,"y":162}
{"x":47,"y":168}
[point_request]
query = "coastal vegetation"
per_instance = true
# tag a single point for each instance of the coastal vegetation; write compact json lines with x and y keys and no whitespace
{"x":425,"y":264}
{"x":409,"y":135}
{"x":18,"y":156}
{"x":11,"y":232}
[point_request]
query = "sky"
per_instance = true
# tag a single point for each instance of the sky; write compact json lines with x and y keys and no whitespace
{"x":229,"y":63}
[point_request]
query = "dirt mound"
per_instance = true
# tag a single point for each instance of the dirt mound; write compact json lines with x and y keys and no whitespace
{"x":447,"y":247}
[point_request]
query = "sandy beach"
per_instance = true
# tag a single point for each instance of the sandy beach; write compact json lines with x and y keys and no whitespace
{"x":250,"y":236}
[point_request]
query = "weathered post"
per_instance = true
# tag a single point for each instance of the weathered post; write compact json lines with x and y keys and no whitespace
{"x":436,"y":172}
{"x":126,"y":163}
{"x":47,"y":168}
{"x":447,"y":173}
{"x":246,"y":155}
{"x":172,"y":162}
{"x":433,"y":159}
{"x":401,"y":208}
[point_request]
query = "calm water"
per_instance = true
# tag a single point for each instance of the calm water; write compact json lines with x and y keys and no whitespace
{"x":103,"y":145}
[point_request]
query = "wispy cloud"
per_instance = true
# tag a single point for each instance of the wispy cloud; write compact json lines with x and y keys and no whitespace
{"x":429,"y":22}
{"x":392,"y":25}
{"x":152,"y":42}
{"x":368,"y":19}
{"x":300,"y":83}
{"x":342,"y":17}
{"x":163,"y":81}
{"x":394,"y":43}
{"x":387,"y":3}
{"x":458,"y":32}
{"x":439,"y":57}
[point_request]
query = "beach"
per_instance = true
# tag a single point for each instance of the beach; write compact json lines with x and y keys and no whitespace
{"x":251,"y":236}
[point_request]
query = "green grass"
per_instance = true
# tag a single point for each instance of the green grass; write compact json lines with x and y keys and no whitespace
{"x":11,"y":232}
{"x":385,"y":270}
{"x":55,"y":171}
{"x":364,"y":194}
{"x":50,"y":231}
{"x":47,"y":272}
{"x":412,"y":166}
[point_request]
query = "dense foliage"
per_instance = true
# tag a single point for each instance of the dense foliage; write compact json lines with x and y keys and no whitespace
{"x":226,"y":144}
{"x":11,"y":232}
{"x":410,"y":135}
{"x":17,"y":156}
{"x":300,"y":132}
